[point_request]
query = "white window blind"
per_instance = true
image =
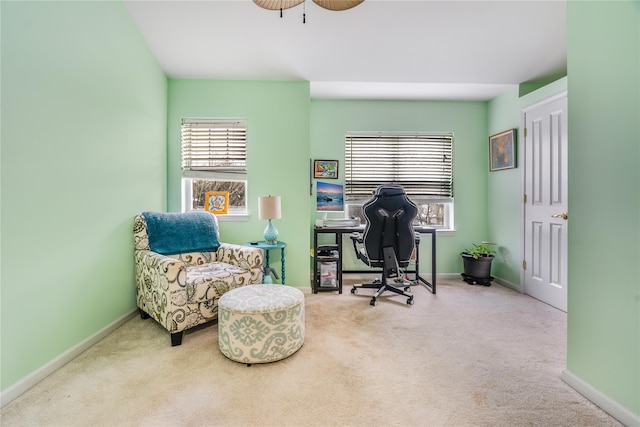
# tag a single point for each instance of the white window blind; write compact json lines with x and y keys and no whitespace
{"x":422,"y":163}
{"x":214,"y":145}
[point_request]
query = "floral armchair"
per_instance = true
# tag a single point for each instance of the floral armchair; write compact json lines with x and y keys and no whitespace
{"x":182,"y":269}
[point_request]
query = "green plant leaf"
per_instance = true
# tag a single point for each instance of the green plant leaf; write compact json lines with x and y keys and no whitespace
{"x":478,"y":250}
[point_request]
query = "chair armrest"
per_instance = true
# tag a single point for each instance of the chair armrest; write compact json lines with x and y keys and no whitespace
{"x":356,"y":239}
{"x":159,"y":281}
{"x":246,"y":257}
{"x":172,"y":271}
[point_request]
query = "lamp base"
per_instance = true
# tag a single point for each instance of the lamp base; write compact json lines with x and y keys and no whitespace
{"x":270,"y":234}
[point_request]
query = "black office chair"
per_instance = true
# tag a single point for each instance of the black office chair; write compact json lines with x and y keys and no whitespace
{"x":388,"y":240}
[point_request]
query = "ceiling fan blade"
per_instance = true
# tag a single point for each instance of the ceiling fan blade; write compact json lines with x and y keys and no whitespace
{"x":277,"y":4}
{"x":337,"y":4}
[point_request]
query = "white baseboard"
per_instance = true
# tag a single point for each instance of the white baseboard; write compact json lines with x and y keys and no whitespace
{"x":444,"y":276}
{"x":613,"y":408}
{"x":440,"y":276}
{"x":507,"y":284}
{"x":41,"y":373}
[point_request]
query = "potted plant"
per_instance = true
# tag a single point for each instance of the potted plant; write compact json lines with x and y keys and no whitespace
{"x":477,"y":263}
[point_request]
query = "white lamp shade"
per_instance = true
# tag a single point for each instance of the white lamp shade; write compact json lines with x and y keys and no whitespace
{"x":269,"y":207}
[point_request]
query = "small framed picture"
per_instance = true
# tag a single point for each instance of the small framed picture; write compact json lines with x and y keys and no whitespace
{"x":217,"y":202}
{"x":325,"y":169}
{"x":502,"y":150}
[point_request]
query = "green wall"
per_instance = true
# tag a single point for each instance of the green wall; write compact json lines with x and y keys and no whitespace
{"x":331,"y":119}
{"x":84,"y":147}
{"x":83,"y":150}
{"x":603,"y":347}
{"x":277,"y":116}
{"x":504,"y":193}
{"x":286,"y":129}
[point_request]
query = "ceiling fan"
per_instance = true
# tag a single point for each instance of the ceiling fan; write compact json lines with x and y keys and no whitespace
{"x":336,"y":5}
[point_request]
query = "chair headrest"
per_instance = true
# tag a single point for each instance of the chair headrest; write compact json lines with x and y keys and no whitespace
{"x":389,"y":190}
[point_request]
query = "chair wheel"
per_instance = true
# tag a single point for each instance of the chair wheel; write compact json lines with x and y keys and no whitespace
{"x":410,"y":301}
{"x":373,"y":301}
{"x":354,"y":291}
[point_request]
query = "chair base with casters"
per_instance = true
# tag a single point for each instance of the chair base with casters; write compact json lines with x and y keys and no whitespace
{"x":383,"y":286}
{"x":391,"y":271}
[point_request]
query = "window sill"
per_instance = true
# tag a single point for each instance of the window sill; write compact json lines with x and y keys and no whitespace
{"x":233,"y":218}
{"x":446,"y":232}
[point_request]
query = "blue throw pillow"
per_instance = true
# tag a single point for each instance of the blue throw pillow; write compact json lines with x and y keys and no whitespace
{"x":179,"y":233}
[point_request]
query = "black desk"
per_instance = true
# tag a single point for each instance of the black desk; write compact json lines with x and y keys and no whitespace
{"x":339,"y":231}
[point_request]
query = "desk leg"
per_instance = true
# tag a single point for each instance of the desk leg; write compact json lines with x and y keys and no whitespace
{"x":339,"y":262}
{"x":431,"y":286}
{"x":417,"y":243}
{"x":433,"y":263}
{"x":314,"y":284}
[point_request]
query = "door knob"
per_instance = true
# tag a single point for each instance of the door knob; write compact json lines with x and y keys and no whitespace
{"x":563,"y":215}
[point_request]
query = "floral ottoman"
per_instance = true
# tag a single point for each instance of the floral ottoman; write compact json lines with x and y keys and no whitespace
{"x":261,"y":323}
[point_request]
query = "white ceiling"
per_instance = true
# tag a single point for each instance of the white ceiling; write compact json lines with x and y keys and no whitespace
{"x":381,"y":49}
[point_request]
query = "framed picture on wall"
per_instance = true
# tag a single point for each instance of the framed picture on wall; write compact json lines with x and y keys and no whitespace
{"x":502,"y":150}
{"x":216,"y":202}
{"x":325,"y":169}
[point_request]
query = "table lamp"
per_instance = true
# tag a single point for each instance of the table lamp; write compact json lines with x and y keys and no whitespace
{"x":269,"y":208}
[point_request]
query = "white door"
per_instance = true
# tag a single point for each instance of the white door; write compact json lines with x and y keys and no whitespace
{"x":545,"y":201}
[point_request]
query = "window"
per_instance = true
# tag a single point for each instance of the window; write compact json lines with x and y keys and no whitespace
{"x":421,"y":162}
{"x":214,"y":158}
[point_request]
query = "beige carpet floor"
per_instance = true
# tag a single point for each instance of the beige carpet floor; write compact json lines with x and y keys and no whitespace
{"x":468,"y":356}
